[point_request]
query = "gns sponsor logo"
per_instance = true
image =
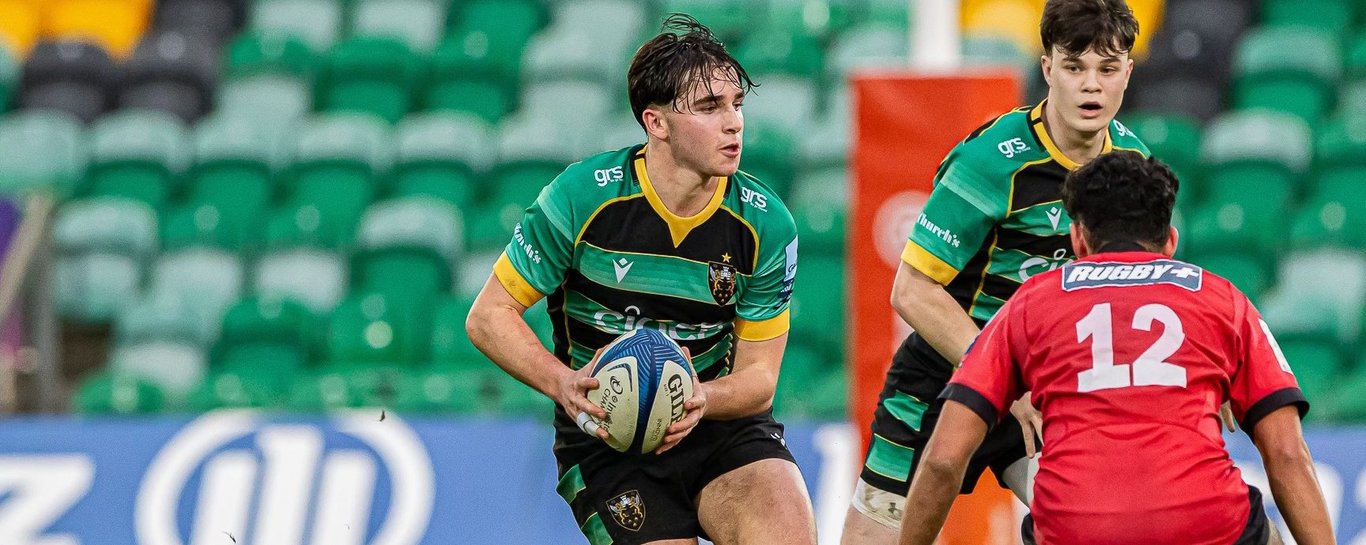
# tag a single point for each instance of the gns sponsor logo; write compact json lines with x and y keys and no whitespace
{"x":268,"y":483}
{"x":1011,"y":147}
{"x":753,"y":198}
{"x":606,"y":176}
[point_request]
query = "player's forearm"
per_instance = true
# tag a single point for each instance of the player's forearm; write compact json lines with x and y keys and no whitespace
{"x":932,"y":492}
{"x":932,"y":312}
{"x":502,"y":334}
{"x":1297,"y":493}
{"x":746,"y":392}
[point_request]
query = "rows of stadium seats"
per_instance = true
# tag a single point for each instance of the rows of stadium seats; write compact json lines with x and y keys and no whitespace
{"x":267,"y":253}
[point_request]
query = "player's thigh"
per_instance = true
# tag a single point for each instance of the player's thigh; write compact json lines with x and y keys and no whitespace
{"x":764,"y":502}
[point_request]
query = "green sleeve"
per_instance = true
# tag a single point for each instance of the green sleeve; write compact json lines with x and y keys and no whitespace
{"x":764,"y":302}
{"x":956,"y":220}
{"x":543,"y":241}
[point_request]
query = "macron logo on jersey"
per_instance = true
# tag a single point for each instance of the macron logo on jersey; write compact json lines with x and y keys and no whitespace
{"x":1080,"y":275}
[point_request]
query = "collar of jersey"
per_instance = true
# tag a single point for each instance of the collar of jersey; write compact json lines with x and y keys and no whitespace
{"x":679,"y":226}
{"x":1041,"y":132}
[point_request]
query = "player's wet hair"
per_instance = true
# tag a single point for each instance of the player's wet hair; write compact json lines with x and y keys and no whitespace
{"x":1122,"y":197}
{"x":1107,"y":27}
{"x":665,"y":68}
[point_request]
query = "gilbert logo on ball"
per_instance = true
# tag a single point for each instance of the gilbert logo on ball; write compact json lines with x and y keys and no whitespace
{"x":643,"y":380}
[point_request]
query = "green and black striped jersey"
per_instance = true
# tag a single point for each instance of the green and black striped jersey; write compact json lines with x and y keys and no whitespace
{"x":995,"y":215}
{"x":611,"y":257}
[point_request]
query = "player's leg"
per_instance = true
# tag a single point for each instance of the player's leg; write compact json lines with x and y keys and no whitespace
{"x":874,"y":516}
{"x":902,"y":425}
{"x":762,"y":503}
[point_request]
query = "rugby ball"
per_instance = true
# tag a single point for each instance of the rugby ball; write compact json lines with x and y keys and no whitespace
{"x":643,"y":380}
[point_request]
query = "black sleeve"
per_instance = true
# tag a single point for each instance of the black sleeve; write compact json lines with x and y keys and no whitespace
{"x":1273,"y":401}
{"x":974,"y":400}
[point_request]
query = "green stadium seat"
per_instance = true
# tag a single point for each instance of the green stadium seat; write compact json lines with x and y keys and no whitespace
{"x":9,"y":76}
{"x":877,"y":44}
{"x":783,"y":102}
{"x":573,"y":47}
{"x":482,"y":97}
{"x":1334,"y":215}
{"x":991,"y":50}
{"x":780,"y":50}
{"x":111,"y":393}
{"x":1348,"y":405}
{"x":370,"y":329}
{"x":318,"y":392}
{"x":818,"y":304}
{"x":235,"y":390}
{"x":449,"y":346}
{"x":1269,"y":72}
{"x":337,"y":159}
{"x":43,"y":149}
{"x":235,"y":161}
{"x":256,"y":53}
{"x":317,"y":23}
{"x":1304,"y":306}
{"x":265,"y":340}
{"x":826,"y":144}
{"x":731,"y":25}
{"x":823,"y":187}
{"x":312,"y":276}
{"x":1316,"y":365}
{"x":304,"y":225}
{"x":1260,"y":150}
{"x":1332,"y":16}
{"x":821,"y":228}
{"x":1356,"y":56}
{"x":202,"y":224}
{"x":1251,"y":224}
{"x":440,"y":154}
{"x":1352,"y":101}
{"x":375,"y":75}
{"x":439,"y":392}
{"x":1341,"y":146}
{"x":489,"y":39}
{"x":801,"y":364}
{"x":489,"y":228}
{"x":515,"y":187}
{"x":768,"y":156}
{"x":205,"y":279}
{"x":138,"y":155}
{"x":622,"y":132}
{"x":506,"y":396}
{"x":817,"y":18}
{"x":276,"y":103}
{"x":1251,"y":276}
{"x":102,"y":245}
{"x":174,"y":367}
{"x":417,"y":23}
{"x":1175,"y":139}
{"x":406,"y":248}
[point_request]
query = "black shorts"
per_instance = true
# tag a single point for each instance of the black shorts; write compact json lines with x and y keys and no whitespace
{"x":907,"y":411}
{"x":627,"y":499}
{"x":1257,"y":531}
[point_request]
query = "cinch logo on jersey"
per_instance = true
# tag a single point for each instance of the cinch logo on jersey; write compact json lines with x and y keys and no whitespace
{"x":1096,"y":275}
{"x":944,"y":234}
{"x":617,"y":323}
{"x":262,"y":482}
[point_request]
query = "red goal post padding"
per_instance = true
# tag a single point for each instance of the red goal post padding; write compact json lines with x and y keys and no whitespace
{"x":904,"y":125}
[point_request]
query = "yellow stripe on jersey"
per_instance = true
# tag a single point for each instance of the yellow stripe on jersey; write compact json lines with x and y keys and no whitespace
{"x":763,"y":330}
{"x":514,"y":282}
{"x":928,"y":263}
{"x":1036,"y":119}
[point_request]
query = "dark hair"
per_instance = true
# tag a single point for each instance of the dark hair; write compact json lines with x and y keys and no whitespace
{"x":1072,"y":26}
{"x":1122,"y":197}
{"x":667,"y":65}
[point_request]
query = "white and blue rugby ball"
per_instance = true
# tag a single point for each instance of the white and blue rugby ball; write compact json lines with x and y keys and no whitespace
{"x":643,"y":380}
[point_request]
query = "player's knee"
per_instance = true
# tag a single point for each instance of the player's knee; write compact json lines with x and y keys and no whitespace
{"x":881,"y":506}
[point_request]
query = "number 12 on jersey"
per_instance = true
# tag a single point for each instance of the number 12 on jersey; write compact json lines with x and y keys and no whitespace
{"x":1151,"y":367}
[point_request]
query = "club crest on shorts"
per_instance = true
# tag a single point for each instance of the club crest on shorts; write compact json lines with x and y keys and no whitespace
{"x":721,"y":279}
{"x":628,"y":510}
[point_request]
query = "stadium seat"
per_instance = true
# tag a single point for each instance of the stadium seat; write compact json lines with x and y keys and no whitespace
{"x":205,"y":280}
{"x":254,"y":53}
{"x":531,"y":138}
{"x":235,"y":160}
{"x":818,"y":304}
{"x":273,"y":102}
{"x":21,"y":26}
{"x":1247,"y":273}
{"x":317,"y":22}
{"x":312,"y":276}
{"x":820,"y":188}
{"x":1261,"y":149}
{"x":729,"y":24}
{"x":375,"y":75}
{"x":489,"y":39}
{"x":406,"y":248}
{"x":768,"y":156}
{"x":234,"y":390}
{"x":203,"y":224}
{"x":485,"y":98}
{"x":43,"y":149}
{"x":821,"y":228}
{"x":1341,"y":145}
{"x":265,"y":340}
{"x":1334,"y":215}
{"x":439,"y":392}
{"x":783,"y":50}
{"x":115,"y":25}
{"x":114,"y":393}
{"x":817,"y":18}
{"x":173,"y":73}
{"x":1197,"y":39}
{"x":782,"y":102}
{"x":1194,"y":97}
{"x":573,"y":47}
{"x":1348,"y":405}
{"x":175,"y":367}
{"x":1356,"y":56}
{"x":1174,"y":139}
{"x":1250,"y":223}
{"x":1332,"y":16}
{"x":1270,"y":75}
{"x":450,"y":347}
{"x":874,"y":45}
{"x":337,"y":158}
{"x":827,"y":145}
{"x":1317,"y":366}
{"x":370,"y":329}
{"x":102,"y":246}
{"x":72,"y":77}
{"x":318,"y":392}
{"x":137,"y":154}
{"x":212,"y":20}
{"x":515,"y":188}
{"x":419,"y":24}
{"x":441,"y":154}
{"x":1303,"y":306}
{"x":9,"y":76}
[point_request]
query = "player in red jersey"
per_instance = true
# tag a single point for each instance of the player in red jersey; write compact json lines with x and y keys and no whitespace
{"x":1129,"y":354}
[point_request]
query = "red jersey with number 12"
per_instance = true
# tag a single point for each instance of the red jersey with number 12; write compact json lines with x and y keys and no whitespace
{"x":1129,"y":356}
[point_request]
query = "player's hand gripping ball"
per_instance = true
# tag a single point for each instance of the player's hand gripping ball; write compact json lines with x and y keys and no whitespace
{"x":643,"y":380}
